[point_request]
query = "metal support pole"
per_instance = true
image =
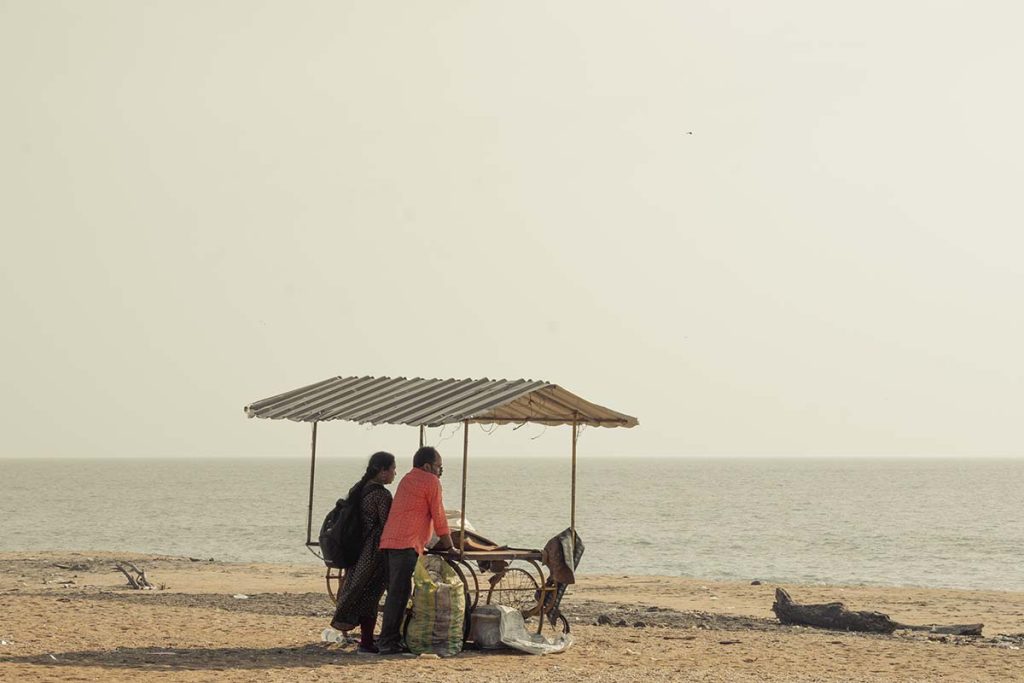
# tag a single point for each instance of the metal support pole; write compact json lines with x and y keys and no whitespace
{"x":312,"y":474}
{"x":465,"y":462}
{"x":572,"y":516}
{"x":422,"y":427}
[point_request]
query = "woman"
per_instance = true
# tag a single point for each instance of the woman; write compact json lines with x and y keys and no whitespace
{"x":365,"y":581}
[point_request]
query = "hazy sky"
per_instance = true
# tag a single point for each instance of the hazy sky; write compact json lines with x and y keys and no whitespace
{"x":762,"y":228}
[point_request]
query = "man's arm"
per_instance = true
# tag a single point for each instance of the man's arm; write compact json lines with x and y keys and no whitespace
{"x":440,"y":520}
{"x":444,"y":543}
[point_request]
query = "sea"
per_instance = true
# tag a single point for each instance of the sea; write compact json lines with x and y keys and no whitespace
{"x":953,"y":523}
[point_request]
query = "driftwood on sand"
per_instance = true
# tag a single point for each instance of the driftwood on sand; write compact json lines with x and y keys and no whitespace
{"x":833,"y":615}
{"x":139,"y":581}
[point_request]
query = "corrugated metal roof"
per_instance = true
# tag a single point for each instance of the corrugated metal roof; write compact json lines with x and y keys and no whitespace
{"x":435,"y":402}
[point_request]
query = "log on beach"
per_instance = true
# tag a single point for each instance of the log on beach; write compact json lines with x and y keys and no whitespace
{"x":831,"y":615}
{"x":953,"y":630}
{"x":834,"y":616}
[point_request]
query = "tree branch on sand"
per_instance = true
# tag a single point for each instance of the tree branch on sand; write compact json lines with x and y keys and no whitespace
{"x":139,"y":581}
{"x":834,"y":616}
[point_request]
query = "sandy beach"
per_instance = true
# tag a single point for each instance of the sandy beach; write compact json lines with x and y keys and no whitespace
{"x":71,"y":616}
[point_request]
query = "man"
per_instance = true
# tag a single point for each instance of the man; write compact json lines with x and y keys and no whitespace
{"x":416,"y":506}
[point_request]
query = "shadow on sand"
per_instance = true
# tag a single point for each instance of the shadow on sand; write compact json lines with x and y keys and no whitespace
{"x":204,"y":659}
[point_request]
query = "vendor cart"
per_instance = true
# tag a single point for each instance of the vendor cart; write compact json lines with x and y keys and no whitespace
{"x":491,"y":573}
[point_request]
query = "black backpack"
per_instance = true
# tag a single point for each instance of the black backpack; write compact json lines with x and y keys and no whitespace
{"x":341,"y":535}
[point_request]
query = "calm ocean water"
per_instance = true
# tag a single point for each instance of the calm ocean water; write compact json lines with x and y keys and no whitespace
{"x":949,"y":523}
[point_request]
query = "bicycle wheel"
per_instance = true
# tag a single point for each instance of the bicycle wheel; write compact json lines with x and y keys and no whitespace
{"x":335,"y":579}
{"x":515,"y":588}
{"x":470,"y":596}
{"x":469,"y":580}
{"x":561,"y":623}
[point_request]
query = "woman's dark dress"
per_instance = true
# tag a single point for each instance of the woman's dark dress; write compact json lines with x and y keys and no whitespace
{"x":365,"y":582}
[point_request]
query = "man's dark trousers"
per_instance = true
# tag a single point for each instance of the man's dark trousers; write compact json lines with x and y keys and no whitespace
{"x":401,"y":564}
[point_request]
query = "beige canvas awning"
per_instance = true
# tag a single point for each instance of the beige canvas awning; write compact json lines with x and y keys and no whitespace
{"x":435,"y":402}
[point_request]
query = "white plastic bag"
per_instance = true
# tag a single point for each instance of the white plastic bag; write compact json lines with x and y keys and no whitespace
{"x":514,"y":634}
{"x":331,"y":635}
{"x":454,"y":518}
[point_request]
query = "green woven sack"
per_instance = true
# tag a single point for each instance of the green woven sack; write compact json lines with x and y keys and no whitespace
{"x":438,"y":609}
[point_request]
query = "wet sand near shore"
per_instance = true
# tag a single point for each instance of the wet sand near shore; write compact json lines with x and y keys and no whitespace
{"x":71,"y":616}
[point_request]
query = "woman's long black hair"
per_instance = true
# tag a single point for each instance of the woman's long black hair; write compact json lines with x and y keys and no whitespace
{"x":379,"y":461}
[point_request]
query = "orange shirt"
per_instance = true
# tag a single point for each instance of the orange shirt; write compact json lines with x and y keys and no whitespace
{"x":417,"y":503}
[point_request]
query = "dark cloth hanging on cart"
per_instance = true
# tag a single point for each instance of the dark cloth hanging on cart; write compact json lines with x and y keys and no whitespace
{"x":555,"y":553}
{"x":561,"y":573}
